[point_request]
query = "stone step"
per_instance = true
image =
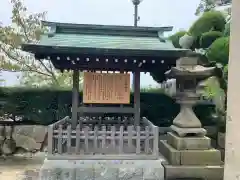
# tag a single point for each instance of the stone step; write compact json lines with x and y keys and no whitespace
{"x":172,"y":172}
{"x":190,"y":157}
{"x":188,"y":143}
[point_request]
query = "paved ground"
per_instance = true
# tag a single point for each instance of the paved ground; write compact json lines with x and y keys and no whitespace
{"x":21,"y":167}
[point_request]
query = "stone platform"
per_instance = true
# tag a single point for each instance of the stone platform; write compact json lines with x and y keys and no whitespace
{"x":102,"y":169}
{"x":193,"y":172}
{"x":190,"y":157}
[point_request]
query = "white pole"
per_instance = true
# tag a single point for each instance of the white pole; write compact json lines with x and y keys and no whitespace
{"x":232,"y":147}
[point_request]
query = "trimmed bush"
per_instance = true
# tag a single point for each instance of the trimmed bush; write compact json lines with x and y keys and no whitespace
{"x":175,"y":38}
{"x":209,"y":37}
{"x":209,"y":21}
{"x":48,"y":106}
{"x":219,"y":51}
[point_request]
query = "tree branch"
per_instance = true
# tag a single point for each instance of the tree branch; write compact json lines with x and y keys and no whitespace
{"x":30,"y":67}
{"x":28,"y":39}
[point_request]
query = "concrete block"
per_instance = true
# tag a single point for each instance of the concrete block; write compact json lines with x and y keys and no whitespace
{"x":221,"y":140}
{"x":195,"y":172}
{"x":172,"y":155}
{"x":188,"y":143}
{"x":189,"y":157}
{"x":201,"y":157}
{"x":183,"y":132}
{"x":222,"y":154}
{"x":102,"y":169}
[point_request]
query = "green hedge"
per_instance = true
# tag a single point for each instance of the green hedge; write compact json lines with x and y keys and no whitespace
{"x":47,"y":106}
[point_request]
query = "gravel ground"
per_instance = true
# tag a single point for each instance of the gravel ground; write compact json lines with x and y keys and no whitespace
{"x":21,"y":167}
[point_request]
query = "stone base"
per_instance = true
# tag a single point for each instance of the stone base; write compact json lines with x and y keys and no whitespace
{"x":182,"y":132}
{"x":188,"y":143}
{"x":193,"y":172}
{"x":222,"y":154}
{"x":190,"y":157}
{"x":221,"y":140}
{"x":102,"y":169}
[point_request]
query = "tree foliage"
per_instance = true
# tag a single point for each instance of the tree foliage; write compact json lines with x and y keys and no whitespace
{"x":26,"y":28}
{"x":209,"y":37}
{"x":175,"y":38}
{"x":219,"y":51}
{"x":209,"y":21}
{"x":205,"y":6}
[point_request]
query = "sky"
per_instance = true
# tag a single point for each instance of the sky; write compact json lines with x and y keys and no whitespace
{"x":176,"y":13}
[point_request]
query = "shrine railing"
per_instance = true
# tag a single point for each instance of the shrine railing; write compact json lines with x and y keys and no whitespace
{"x":102,"y":141}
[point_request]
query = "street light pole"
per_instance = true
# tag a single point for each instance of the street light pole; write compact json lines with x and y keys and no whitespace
{"x":136,"y":18}
{"x":136,"y":13}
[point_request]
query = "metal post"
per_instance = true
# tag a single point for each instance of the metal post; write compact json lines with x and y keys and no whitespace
{"x":135,"y":15}
{"x":135,"y":3}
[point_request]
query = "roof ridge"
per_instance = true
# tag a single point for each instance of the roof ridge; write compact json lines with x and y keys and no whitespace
{"x":109,"y":27}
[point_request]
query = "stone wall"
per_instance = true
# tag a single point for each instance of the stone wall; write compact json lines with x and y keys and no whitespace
{"x":27,"y":138}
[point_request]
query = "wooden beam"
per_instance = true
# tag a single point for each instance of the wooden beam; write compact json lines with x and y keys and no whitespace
{"x":102,"y":157}
{"x":75,"y":97}
{"x":120,"y":110}
{"x":137,"y":97}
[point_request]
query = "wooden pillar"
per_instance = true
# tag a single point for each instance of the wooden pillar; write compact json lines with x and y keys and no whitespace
{"x":232,"y":146}
{"x":75,"y":97}
{"x":136,"y":77}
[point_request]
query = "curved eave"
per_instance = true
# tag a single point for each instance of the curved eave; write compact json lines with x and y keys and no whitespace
{"x":41,"y":50}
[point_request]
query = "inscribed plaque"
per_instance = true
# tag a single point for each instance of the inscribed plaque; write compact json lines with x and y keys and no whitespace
{"x":106,"y":88}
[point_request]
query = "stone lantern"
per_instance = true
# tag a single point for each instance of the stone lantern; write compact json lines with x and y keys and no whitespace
{"x":187,"y":74}
{"x":187,"y":150}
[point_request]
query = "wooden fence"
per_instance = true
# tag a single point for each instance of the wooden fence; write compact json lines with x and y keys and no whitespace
{"x":102,"y":141}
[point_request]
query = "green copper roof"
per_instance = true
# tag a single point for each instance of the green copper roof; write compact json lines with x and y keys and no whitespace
{"x":104,"y":37}
{"x":71,"y":46}
{"x":105,"y":41}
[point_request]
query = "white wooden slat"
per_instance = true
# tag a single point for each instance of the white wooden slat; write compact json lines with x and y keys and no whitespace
{"x":86,"y":139}
{"x":130,"y":135}
{"x":155,"y":141}
{"x":121,"y":140}
{"x":69,"y":143}
{"x":60,"y":140}
{"x":104,"y":137}
{"x":113,"y":137}
{"x":77,"y":149}
{"x":50,"y":139}
{"x":95,"y":140}
{"x":138,"y":148}
{"x":146,"y":143}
